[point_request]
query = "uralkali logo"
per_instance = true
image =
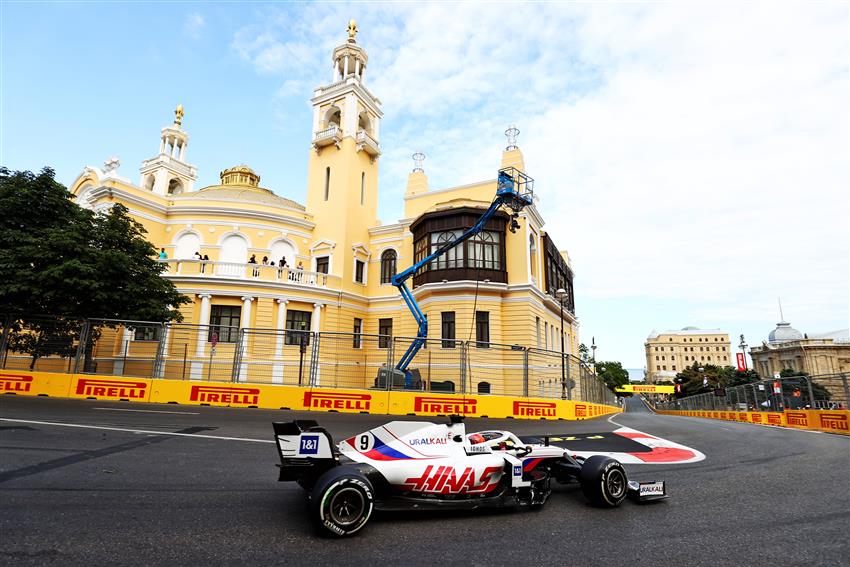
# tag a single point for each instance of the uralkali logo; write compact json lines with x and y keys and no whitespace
{"x":225,"y":395}
{"x":15,"y":383}
{"x":445,"y":405}
{"x":337,"y":401}
{"x":535,"y":409}
{"x":834,"y":421}
{"x":122,"y":389}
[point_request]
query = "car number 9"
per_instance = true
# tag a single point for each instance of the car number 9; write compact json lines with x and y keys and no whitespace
{"x":365,"y":442}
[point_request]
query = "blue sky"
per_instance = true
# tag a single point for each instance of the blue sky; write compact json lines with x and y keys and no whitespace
{"x":693,"y":158}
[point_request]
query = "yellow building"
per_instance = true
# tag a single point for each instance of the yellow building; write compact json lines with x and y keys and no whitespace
{"x":670,"y":352}
{"x":325,"y":265}
{"x":786,"y":348}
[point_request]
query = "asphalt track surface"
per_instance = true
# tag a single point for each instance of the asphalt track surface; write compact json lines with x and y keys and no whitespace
{"x":85,"y":496}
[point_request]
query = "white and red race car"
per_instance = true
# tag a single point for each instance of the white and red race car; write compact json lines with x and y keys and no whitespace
{"x":406,"y":465}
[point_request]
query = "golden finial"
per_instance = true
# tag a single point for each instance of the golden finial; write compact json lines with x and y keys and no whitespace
{"x":352,"y":30}
{"x":178,"y":114}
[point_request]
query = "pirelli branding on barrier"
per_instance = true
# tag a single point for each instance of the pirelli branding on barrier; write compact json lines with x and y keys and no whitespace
{"x":228,"y":395}
{"x":834,"y":422}
{"x":16,"y":383}
{"x":335,"y":401}
{"x":797,"y":418}
{"x":433,"y":404}
{"x":774,"y":419}
{"x":535,"y":409}
{"x":118,"y":389}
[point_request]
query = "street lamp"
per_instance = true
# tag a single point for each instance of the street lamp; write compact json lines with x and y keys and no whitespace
{"x":561,"y":294}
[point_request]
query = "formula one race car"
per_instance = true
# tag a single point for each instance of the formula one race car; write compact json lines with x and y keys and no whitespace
{"x":406,"y":465}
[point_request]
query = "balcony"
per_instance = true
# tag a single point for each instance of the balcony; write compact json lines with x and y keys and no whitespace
{"x":368,"y":144}
{"x":250,"y":272}
{"x":331,"y":135}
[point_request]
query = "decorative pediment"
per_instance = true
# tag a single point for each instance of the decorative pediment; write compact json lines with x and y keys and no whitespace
{"x":323,"y":245}
{"x":360,"y":249}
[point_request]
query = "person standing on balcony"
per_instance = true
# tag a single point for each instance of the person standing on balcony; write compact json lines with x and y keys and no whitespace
{"x":253,"y":260}
{"x":204,"y":261}
{"x":280,"y":267}
{"x":162,"y":254}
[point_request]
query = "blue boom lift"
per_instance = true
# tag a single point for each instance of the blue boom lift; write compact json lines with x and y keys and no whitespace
{"x":514,"y":190}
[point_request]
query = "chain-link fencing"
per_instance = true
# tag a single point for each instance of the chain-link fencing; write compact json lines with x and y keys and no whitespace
{"x":826,"y":391}
{"x":220,"y":353}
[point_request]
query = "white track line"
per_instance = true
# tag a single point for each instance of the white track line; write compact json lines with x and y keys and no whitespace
{"x":144,"y":431}
{"x":149,"y":411}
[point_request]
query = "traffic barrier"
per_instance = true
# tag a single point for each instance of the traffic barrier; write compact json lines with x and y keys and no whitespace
{"x":830,"y":421}
{"x":270,"y":396}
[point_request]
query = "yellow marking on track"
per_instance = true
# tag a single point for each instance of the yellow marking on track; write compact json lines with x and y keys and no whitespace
{"x":595,"y":437}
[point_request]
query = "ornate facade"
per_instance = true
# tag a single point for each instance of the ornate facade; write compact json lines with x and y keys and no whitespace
{"x":253,"y":259}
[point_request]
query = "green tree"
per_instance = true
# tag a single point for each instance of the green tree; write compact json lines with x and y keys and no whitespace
{"x":62,"y":261}
{"x":613,"y":373}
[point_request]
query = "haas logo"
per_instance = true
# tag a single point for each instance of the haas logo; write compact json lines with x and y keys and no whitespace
{"x":15,"y":383}
{"x":535,"y":409}
{"x":445,"y":405}
{"x":446,"y":480}
{"x":95,"y":388}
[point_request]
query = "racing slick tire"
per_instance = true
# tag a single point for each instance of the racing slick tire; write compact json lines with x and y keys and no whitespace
{"x":342,"y":501}
{"x":603,"y":481}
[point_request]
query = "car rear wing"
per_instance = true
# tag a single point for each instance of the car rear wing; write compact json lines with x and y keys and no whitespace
{"x":306,"y":450}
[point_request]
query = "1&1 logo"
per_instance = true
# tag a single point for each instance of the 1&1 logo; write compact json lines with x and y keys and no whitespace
{"x":309,"y":445}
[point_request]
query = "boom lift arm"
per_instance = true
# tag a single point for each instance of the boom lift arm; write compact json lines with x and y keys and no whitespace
{"x":514,"y":190}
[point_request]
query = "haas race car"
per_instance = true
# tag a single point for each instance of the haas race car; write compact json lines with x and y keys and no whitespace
{"x":406,"y":465}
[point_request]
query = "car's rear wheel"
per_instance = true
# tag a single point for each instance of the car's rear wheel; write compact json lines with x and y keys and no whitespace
{"x":342,"y":501}
{"x":603,"y":481}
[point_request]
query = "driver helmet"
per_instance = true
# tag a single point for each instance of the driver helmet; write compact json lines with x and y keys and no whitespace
{"x":476,"y":438}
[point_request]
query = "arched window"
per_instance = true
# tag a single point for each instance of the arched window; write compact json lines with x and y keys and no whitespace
{"x":451,"y":259}
{"x":175,"y":187}
{"x":388,"y":265}
{"x":484,"y":387}
{"x":234,"y":252}
{"x":282,"y":249}
{"x":149,"y":182}
{"x":362,"y":187}
{"x":333,"y":117}
{"x":186,"y":246}
{"x":327,"y":182}
{"x":484,"y":251}
{"x":363,"y":123}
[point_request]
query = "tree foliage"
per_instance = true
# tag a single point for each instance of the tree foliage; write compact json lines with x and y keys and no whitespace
{"x":613,"y":373}
{"x":62,"y":261}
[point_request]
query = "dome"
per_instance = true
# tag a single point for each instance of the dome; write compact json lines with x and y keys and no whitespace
{"x":240,"y":175}
{"x":784,"y":332}
{"x":690,"y":328}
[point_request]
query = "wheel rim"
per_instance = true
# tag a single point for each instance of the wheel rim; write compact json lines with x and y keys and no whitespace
{"x":616,"y":483}
{"x":347,"y":506}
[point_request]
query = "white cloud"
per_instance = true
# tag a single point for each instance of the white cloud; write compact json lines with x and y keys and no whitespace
{"x":193,"y":25}
{"x":694,"y":153}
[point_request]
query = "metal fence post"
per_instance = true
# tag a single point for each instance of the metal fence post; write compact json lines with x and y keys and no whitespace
{"x":569,"y":380}
{"x":525,"y":372}
{"x":4,"y":341}
{"x":811,"y":392}
{"x":464,"y":353}
{"x":314,"y":361}
{"x":81,"y":346}
{"x":237,"y":356}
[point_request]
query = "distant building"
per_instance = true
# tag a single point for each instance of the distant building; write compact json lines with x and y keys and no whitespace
{"x":669,"y":352}
{"x":816,"y":354}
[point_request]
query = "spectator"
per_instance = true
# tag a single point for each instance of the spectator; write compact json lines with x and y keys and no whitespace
{"x":204,"y":261}
{"x":162,"y":254}
{"x":265,"y":260}
{"x":253,"y":260}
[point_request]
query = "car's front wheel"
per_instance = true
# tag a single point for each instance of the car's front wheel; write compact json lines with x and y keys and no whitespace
{"x":342,"y":501}
{"x":603,"y":481}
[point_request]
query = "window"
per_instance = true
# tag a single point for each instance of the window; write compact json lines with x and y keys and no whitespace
{"x":671,"y":339}
{"x":724,"y":349}
{"x":358,"y":270}
{"x":388,"y":265}
{"x":363,"y":188}
{"x":674,"y":368}
{"x":483,"y":387}
{"x":482,"y":329}
{"x":385,"y":330}
{"x":451,"y":259}
{"x":327,"y":182}
{"x":358,"y":328}
{"x":656,"y":357}
{"x":148,"y":333}
{"x":664,"y":367}
{"x":323,"y":264}
{"x":671,"y":349}
{"x":298,"y":321}
{"x":662,"y":357}
{"x":658,"y":367}
{"x":537,"y":329}
{"x":448,"y":329}
{"x":484,"y":251}
{"x":224,"y":320}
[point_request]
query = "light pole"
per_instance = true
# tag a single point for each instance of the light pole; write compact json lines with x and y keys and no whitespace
{"x":561,"y":293}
